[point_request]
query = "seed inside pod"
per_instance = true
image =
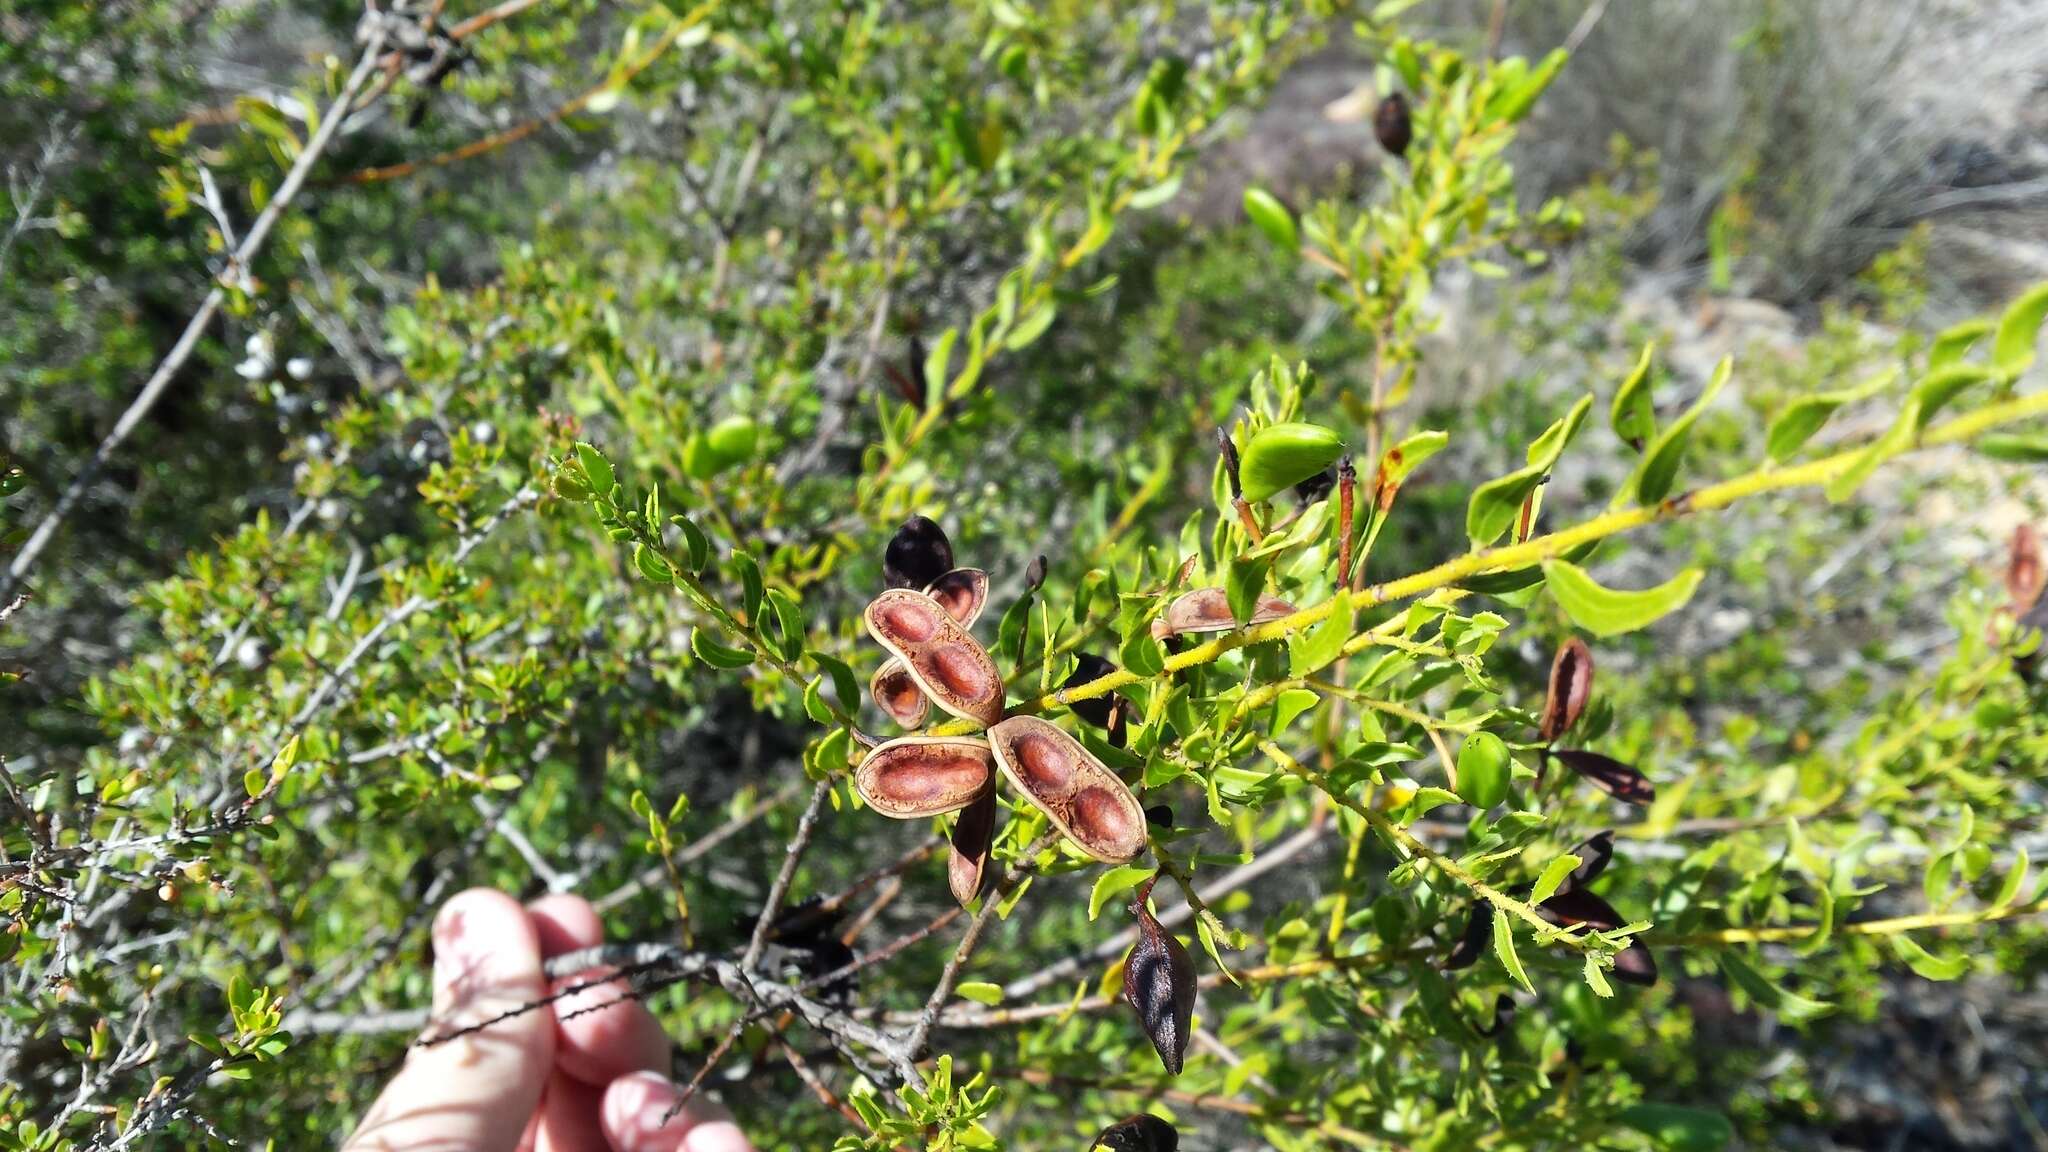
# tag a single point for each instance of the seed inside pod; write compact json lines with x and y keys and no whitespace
{"x":1208,"y":610}
{"x":1159,"y":981}
{"x":1571,"y":686}
{"x":961,"y":592}
{"x":974,"y":833}
{"x":896,"y":691}
{"x":918,"y":554}
{"x":920,"y":776}
{"x":1084,"y":799}
{"x":946,"y":662}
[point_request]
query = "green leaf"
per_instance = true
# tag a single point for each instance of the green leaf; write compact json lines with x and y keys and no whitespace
{"x":1031,"y":327}
{"x":1679,"y":1129}
{"x":1632,"y":416}
{"x":1495,"y":503}
{"x":2012,"y":350}
{"x":1245,"y":583}
{"x":695,"y":542}
{"x":1896,"y":439}
{"x":597,"y":469}
{"x":1283,"y":455}
{"x":1272,"y":218}
{"x":935,"y":363}
{"x":1308,"y":652}
{"x":980,"y":992}
{"x":752,"y":592}
{"x":1515,"y":103}
{"x":1504,"y":947}
{"x":1786,"y":1004}
{"x":1552,"y":877}
{"x":1484,"y":770}
{"x":1955,"y":342}
{"x":1596,"y":978}
{"x":1806,"y":415}
{"x":731,"y":441}
{"x":1290,"y":705}
{"x":1113,"y":883}
{"x":710,"y":651}
{"x":1659,"y":469}
{"x":1937,"y":388}
{"x":651,"y":564}
{"x":1925,"y":963}
{"x":1607,"y":612}
{"x":1398,"y":462}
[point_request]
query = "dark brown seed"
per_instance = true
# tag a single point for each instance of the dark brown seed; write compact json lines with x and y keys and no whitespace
{"x":1610,"y":775}
{"x":920,"y":776}
{"x":1571,"y":686}
{"x":1159,"y":982}
{"x":1635,"y":964}
{"x":1393,"y":124}
{"x":1593,"y":856}
{"x":918,"y":554}
{"x":1476,"y":938}
{"x":1317,"y":486}
{"x":1089,"y":668}
{"x":1141,"y":1133}
{"x":1034,"y":574}
{"x":974,"y":833}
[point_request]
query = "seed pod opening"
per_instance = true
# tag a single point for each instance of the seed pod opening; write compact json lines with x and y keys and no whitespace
{"x":1089,"y":668}
{"x":1634,"y":964}
{"x":974,"y":834}
{"x":1571,"y":686}
{"x":1141,"y":1133}
{"x":946,"y":662}
{"x":1159,"y":982}
{"x":1208,"y":610}
{"x":918,"y":554}
{"x":922,"y":776}
{"x":897,"y":693}
{"x":1393,"y":124}
{"x":1611,"y":776}
{"x":961,"y":592}
{"x":1084,"y":799}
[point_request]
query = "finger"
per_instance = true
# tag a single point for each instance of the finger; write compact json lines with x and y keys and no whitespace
{"x":635,"y":1105}
{"x":474,"y":1093}
{"x":602,"y":1034}
{"x":568,"y":1116}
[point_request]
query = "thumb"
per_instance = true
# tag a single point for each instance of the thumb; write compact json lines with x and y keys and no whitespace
{"x":474,"y":1093}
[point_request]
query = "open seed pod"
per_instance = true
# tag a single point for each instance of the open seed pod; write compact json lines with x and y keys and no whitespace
{"x":946,"y":662}
{"x":1159,"y":981}
{"x":1208,"y":610}
{"x":897,"y":693}
{"x":1571,"y":686}
{"x":920,"y":776}
{"x":918,"y":554}
{"x":1085,"y":800}
{"x":974,"y":834}
{"x":961,"y":592}
{"x":1621,"y":781}
{"x":1141,"y":1133}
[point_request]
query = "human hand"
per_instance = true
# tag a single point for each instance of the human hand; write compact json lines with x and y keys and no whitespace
{"x":539,"y":1081}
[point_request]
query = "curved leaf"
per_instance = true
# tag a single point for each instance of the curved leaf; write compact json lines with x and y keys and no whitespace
{"x":1632,"y":416}
{"x":2012,"y":350}
{"x":1609,"y":612}
{"x":1272,"y":218}
{"x":1495,"y":503}
{"x":1659,"y":469}
{"x":1806,"y":415}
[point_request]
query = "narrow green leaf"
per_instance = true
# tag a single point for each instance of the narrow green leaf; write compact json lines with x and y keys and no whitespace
{"x":1632,"y":416}
{"x":1553,"y":876}
{"x":1398,"y":462}
{"x":1607,"y":612}
{"x":2014,"y":447}
{"x":1955,"y":342}
{"x":1784,"y":1003}
{"x":1895,"y":440}
{"x":981,"y":992}
{"x":718,"y":655}
{"x":1115,"y":882}
{"x":1031,"y":327}
{"x":1494,"y":504}
{"x":1679,"y":1129}
{"x":597,"y":469}
{"x":1245,"y":582}
{"x":1290,"y":705}
{"x":1596,"y":978}
{"x":1272,"y":218}
{"x":1808,"y":414}
{"x":1659,"y":469}
{"x":1937,"y":388}
{"x":1504,"y":947}
{"x":1308,"y":652}
{"x":2012,"y":350}
{"x":1925,"y":963}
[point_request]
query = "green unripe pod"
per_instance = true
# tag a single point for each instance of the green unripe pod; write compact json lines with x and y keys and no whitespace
{"x":1484,"y":767}
{"x":1284,"y":455}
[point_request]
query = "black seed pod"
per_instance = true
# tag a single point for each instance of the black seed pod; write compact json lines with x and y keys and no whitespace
{"x":1159,"y":981}
{"x":918,"y":554}
{"x":1141,"y":1133}
{"x":1393,"y":125}
{"x":1089,"y":668}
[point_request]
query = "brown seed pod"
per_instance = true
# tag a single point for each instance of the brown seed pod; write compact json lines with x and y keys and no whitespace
{"x":2024,"y":573}
{"x":1088,"y":668}
{"x":918,"y":554}
{"x":1571,"y":686}
{"x":1085,"y":800}
{"x":1159,"y":981}
{"x":1034,"y":574}
{"x":974,"y":833}
{"x":1608,"y":774}
{"x":1594,"y":854}
{"x":896,"y":691}
{"x":946,"y":662}
{"x":1503,"y":1016}
{"x":920,"y":776}
{"x":961,"y":592}
{"x":1208,"y":610}
{"x":1393,"y":124}
{"x":1141,"y":1133}
{"x":1635,"y":964}
{"x":1476,"y":938}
